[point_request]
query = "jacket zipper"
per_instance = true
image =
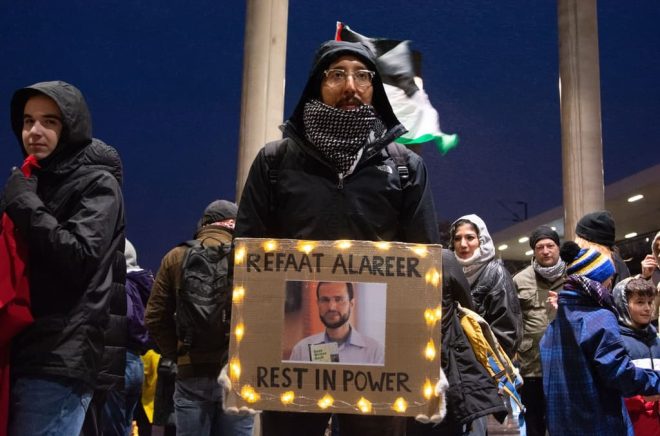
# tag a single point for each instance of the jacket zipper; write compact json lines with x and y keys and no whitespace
{"x":340,"y":185}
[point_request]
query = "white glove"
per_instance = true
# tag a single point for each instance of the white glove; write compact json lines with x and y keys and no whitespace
{"x":225,"y":383}
{"x":440,"y":389}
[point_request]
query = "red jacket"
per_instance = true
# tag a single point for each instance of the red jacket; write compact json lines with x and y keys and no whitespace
{"x":14,"y":298}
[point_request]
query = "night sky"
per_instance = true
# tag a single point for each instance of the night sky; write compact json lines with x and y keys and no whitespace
{"x":163,"y":83}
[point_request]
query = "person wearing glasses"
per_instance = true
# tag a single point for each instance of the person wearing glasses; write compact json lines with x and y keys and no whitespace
{"x":333,"y":178}
{"x":335,"y":303}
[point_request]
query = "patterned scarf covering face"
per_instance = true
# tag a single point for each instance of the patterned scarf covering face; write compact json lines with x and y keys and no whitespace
{"x":340,"y":134}
{"x":591,"y":288}
{"x":550,"y":273}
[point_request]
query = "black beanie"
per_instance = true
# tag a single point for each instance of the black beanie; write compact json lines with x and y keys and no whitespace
{"x":217,"y":211}
{"x":543,"y":232}
{"x":597,"y":227}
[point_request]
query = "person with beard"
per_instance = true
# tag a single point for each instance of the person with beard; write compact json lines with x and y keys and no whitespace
{"x":336,"y":178}
{"x":335,"y":302}
{"x":537,"y":285}
{"x":70,"y":214}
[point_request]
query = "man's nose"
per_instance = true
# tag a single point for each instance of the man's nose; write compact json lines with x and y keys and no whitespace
{"x":36,"y":128}
{"x":350,"y":84}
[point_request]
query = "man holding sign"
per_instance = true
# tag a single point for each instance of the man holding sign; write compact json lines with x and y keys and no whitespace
{"x":340,"y":342}
{"x":338,"y":175}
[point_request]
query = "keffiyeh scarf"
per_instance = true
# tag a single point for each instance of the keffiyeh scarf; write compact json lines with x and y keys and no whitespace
{"x":340,"y":134}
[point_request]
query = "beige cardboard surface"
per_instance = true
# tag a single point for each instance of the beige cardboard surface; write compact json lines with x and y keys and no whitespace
{"x":275,"y":306}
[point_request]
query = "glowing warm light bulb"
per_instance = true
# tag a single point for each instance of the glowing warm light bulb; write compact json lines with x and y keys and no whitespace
{"x":234,"y":369}
{"x":438,"y":312}
{"x":400,"y":405}
{"x":433,"y":277}
{"x":270,"y":245}
{"x":326,"y":401}
{"x":382,"y":245}
{"x":420,"y":250}
{"x":239,"y":331}
{"x":428,"y":389}
{"x":249,"y":394}
{"x":429,"y":352}
{"x":238,"y":294}
{"x":364,"y":405}
{"x":239,"y":255}
{"x":429,"y":316}
{"x":343,"y":245}
{"x":306,"y":246}
{"x":287,"y":397}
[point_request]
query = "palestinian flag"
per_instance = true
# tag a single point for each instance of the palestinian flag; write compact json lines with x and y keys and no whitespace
{"x":398,"y":66}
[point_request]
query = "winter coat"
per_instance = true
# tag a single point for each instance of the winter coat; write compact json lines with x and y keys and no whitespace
{"x":493,"y":291}
{"x":495,"y":299}
{"x":159,"y":316}
{"x":138,"y":288}
{"x":643,"y":346}
{"x":74,"y":228}
{"x":310,"y":200}
{"x":586,"y":369}
{"x":471,"y":392}
{"x":533,"y":291}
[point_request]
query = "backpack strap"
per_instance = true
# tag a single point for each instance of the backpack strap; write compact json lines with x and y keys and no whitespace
{"x":274,"y":152}
{"x":399,"y":154}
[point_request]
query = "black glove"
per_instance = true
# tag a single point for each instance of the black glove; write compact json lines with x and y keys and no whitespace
{"x":16,"y":185}
{"x":166,"y":367}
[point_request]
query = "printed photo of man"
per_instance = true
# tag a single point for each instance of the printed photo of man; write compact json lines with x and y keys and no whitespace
{"x":340,"y":341}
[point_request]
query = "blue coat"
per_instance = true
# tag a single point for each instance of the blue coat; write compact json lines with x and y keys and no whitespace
{"x":586,"y":369}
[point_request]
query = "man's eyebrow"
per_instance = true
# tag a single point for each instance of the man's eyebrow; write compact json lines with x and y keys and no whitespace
{"x":49,"y":116}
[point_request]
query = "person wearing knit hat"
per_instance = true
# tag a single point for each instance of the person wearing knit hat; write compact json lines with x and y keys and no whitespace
{"x":598,"y":230}
{"x":538,"y":286}
{"x":586,"y":369}
{"x":197,"y":395}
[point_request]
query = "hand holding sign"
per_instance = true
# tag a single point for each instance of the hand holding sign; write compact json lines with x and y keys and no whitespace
{"x":225,"y":384}
{"x":440,"y":389}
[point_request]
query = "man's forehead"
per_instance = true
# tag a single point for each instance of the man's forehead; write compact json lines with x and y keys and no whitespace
{"x":544,"y":242}
{"x":333,"y":286}
{"x":42,"y":103}
{"x":348,"y":60}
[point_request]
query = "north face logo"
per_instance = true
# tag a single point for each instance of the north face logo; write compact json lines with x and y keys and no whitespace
{"x":385,"y":168}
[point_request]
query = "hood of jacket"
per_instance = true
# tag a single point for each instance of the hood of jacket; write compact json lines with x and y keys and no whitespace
{"x":76,"y":119}
{"x":486,"y":245}
{"x":621,"y":303}
{"x":327,"y":53}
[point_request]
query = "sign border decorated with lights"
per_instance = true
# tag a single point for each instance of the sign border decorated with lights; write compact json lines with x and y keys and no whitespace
{"x":404,"y":385}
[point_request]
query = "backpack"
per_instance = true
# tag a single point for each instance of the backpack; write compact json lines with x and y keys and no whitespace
{"x":203,"y":304}
{"x":491,"y":355}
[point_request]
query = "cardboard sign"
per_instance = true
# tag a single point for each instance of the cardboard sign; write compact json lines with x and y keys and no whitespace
{"x":336,"y":326}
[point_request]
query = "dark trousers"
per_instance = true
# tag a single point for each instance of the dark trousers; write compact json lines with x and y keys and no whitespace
{"x":532,"y":397}
{"x":314,"y":424}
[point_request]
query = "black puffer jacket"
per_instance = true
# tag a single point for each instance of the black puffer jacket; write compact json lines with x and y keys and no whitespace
{"x":496,"y":300}
{"x":74,"y":229}
{"x":471,"y":393}
{"x":310,"y":199}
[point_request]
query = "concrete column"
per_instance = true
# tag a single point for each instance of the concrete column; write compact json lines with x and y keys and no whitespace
{"x":262,"y":101}
{"x":579,"y":95}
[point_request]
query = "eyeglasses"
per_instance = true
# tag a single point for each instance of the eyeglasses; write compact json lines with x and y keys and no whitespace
{"x":337,"y":300}
{"x":337,"y":77}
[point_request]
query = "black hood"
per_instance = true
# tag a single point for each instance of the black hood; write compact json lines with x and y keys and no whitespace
{"x":76,"y":120}
{"x":327,"y":53}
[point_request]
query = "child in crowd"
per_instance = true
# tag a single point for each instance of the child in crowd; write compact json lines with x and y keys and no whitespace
{"x":633,"y":299}
{"x":586,"y":369}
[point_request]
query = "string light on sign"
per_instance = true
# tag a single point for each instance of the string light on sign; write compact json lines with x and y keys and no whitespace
{"x":364,"y":405}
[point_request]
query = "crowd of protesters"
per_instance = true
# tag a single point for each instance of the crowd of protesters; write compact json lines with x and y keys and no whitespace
{"x":89,"y":341}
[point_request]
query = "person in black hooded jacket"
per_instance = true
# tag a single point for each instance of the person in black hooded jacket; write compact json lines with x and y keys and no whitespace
{"x":333,"y":178}
{"x":70,"y":214}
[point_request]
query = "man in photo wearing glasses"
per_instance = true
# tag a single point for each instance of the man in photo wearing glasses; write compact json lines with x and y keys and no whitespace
{"x":335,"y":302}
{"x":335,"y":175}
